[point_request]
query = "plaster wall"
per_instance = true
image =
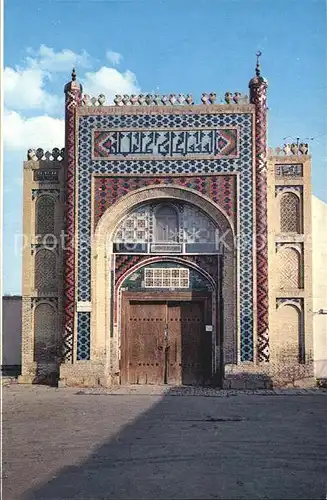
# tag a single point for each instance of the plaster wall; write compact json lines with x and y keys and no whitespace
{"x":319,"y":272}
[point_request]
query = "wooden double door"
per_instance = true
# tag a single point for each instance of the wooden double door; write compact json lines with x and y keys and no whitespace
{"x":165,"y":341}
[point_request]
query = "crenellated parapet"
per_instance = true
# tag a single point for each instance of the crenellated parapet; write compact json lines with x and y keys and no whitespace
{"x":236,"y":98}
{"x":164,"y":99}
{"x":40,"y":154}
{"x":93,"y":101}
{"x":294,"y":149}
{"x":153,"y":100}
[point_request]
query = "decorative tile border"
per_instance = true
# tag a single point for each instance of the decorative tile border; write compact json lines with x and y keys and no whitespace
{"x":83,"y":335}
{"x":258,"y":96}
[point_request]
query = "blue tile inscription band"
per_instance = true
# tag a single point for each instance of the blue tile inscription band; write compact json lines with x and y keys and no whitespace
{"x":171,"y":143}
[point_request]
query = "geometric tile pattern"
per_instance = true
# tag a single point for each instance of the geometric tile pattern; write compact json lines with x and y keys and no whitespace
{"x":136,"y":227}
{"x":258,"y":97}
{"x":83,"y":335}
{"x":220,"y":188}
{"x":178,"y":172}
{"x":73,"y":98}
{"x":169,"y":144}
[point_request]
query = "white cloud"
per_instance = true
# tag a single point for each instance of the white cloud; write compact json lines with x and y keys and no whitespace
{"x":25,"y":85}
{"x":109,"y":81}
{"x":21,"y":133}
{"x":114,"y":57}
{"x":46,"y":59}
{"x":24,"y":89}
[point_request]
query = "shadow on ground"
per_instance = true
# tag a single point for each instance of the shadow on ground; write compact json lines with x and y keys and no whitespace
{"x":195,"y":447}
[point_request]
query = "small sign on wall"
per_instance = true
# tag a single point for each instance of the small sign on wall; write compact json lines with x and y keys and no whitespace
{"x":208,"y":328}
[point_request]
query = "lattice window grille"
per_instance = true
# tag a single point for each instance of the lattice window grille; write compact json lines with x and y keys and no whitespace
{"x":45,"y":215}
{"x":45,"y":270}
{"x":289,"y":213}
{"x":45,"y":339}
{"x":166,"y":278}
{"x":135,"y":228}
{"x":140,"y":226}
{"x":198,"y":228}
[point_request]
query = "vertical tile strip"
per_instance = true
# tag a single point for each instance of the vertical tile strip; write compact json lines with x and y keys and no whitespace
{"x":73,"y":95}
{"x":258,"y":97}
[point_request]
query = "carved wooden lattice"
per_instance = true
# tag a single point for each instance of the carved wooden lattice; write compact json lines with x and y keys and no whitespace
{"x":45,"y":215}
{"x":45,"y":338}
{"x":289,"y":213}
{"x":45,"y":270}
{"x":157,"y":277}
{"x":289,"y":268}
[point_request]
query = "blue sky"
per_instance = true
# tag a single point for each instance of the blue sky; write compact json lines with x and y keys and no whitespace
{"x":179,"y":46}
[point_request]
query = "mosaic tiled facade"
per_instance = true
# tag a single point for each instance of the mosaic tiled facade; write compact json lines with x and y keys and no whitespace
{"x":219,"y":188}
{"x":206,"y":169}
{"x":202,"y":168}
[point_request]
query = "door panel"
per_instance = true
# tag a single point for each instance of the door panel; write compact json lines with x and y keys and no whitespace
{"x":174,"y":359}
{"x":194,"y":342}
{"x":145,"y":330}
{"x":182,"y":356}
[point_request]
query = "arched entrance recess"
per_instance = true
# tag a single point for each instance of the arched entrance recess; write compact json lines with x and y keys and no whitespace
{"x":163,"y":334}
{"x":105,"y":331}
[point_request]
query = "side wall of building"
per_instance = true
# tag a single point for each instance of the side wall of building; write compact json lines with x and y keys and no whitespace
{"x":43,"y":242}
{"x":290,"y":267}
{"x":319,"y":246}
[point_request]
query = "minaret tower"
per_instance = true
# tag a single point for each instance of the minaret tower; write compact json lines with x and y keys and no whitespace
{"x":258,"y":96}
{"x":73,"y":98}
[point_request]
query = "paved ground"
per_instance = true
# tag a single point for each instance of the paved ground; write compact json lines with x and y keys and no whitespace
{"x":152,"y":444}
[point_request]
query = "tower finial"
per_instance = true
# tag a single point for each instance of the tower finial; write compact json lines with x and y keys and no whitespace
{"x":258,"y":69}
{"x":73,"y":75}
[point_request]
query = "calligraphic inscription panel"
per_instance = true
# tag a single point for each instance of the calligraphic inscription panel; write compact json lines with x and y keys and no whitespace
{"x":166,"y":143}
{"x":289,"y":170}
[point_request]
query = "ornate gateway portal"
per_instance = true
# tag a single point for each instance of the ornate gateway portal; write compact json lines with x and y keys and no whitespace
{"x":162,"y":274}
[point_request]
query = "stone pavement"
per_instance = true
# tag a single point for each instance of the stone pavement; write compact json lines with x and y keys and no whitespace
{"x":151,"y":442}
{"x":199,"y":391}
